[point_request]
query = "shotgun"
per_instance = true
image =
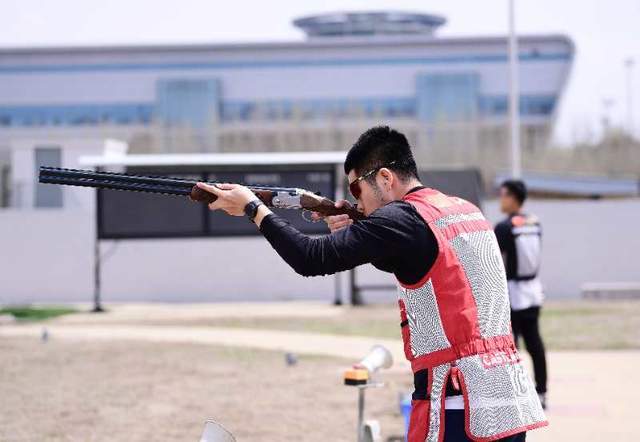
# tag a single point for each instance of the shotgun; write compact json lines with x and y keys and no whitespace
{"x":277,"y":197}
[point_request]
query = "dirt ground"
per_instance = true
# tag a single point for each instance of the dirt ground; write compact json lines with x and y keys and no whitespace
{"x":157,"y":372}
{"x":130,"y":391}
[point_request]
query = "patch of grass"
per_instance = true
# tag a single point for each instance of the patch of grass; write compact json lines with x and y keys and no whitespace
{"x":340,"y":326}
{"x":565,"y":325}
{"x":29,"y":313}
{"x":591,"y":325}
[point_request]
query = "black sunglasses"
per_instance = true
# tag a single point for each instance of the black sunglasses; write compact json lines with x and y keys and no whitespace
{"x":354,"y":186}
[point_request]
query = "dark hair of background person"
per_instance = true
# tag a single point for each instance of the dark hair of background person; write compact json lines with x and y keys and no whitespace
{"x":378,"y":147}
{"x":517,"y":189}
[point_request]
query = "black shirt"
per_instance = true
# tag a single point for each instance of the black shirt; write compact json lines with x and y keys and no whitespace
{"x":508,"y":239}
{"x":394,"y":238}
{"x":507,"y":246}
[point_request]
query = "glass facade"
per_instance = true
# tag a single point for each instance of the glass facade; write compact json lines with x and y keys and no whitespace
{"x":447,"y":96}
{"x":498,"y":105}
{"x":75,"y":115}
{"x":189,"y":102}
{"x":447,"y":100}
{"x":319,"y":109}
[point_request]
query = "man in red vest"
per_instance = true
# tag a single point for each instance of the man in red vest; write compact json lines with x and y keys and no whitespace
{"x":470,"y":383}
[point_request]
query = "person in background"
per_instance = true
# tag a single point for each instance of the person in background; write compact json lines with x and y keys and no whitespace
{"x":520,"y":238}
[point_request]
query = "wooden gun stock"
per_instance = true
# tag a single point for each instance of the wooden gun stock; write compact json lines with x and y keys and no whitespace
{"x":326,"y":207}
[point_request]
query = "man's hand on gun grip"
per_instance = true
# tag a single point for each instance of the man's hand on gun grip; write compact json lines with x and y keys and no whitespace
{"x":335,"y":222}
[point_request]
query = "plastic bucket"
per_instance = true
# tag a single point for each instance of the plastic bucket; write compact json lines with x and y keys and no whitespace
{"x":405,"y":409}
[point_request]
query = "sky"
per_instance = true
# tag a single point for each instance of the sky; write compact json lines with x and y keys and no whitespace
{"x":606,"y":33}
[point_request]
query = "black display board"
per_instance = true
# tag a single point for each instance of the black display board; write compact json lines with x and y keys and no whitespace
{"x":463,"y":183}
{"x":131,"y":215}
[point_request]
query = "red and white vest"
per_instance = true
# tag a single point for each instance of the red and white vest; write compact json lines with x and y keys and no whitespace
{"x":456,"y":325}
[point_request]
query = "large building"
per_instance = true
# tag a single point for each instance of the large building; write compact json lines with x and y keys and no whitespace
{"x":191,"y":103}
{"x":353,"y":70}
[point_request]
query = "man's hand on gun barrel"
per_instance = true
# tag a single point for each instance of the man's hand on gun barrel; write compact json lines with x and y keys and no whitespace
{"x":232,"y":198}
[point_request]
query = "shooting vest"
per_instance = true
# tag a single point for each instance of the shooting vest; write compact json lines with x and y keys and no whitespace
{"x":527,"y":233}
{"x":456,"y":325}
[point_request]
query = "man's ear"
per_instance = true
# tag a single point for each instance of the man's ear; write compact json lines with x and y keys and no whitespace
{"x":387,"y":177}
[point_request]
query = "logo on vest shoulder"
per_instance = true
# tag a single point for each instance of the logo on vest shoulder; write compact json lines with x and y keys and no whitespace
{"x":498,"y":358}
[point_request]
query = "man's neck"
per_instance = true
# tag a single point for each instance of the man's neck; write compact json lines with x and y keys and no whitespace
{"x":515,"y":212}
{"x":408,"y":186}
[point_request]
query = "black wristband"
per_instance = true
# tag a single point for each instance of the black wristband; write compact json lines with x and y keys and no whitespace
{"x":251,"y":209}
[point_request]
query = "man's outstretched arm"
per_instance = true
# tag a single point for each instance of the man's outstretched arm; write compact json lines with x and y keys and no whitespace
{"x":379,"y":237}
{"x":393,"y":231}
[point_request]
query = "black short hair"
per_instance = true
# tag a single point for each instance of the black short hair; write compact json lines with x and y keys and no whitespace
{"x":517,"y":189}
{"x":378,"y":147}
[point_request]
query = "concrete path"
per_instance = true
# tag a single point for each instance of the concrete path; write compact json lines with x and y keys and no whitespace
{"x":132,"y":312}
{"x":351,"y":347}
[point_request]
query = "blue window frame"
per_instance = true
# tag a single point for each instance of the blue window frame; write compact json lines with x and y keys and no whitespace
{"x":319,"y":108}
{"x":76,"y":114}
{"x":530,"y":105}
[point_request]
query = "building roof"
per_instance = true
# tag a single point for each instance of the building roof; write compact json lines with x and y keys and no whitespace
{"x":369,"y":23}
{"x":216,"y":159}
{"x":579,"y":186}
{"x":349,"y":41}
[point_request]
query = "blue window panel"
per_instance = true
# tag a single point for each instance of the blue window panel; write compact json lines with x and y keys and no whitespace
{"x":320,"y":108}
{"x":494,"y":105}
{"x":75,"y":114}
{"x":447,"y":96}
{"x":145,"y":113}
{"x":193,"y":102}
{"x":530,"y":105}
{"x":537,"y":105}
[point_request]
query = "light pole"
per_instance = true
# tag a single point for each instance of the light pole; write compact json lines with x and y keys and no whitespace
{"x":607,"y":104}
{"x":514,"y":99}
{"x":628,"y":64}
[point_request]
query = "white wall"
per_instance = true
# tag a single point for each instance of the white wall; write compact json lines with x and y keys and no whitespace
{"x":45,"y":255}
{"x":585,"y":241}
{"x":204,"y":270}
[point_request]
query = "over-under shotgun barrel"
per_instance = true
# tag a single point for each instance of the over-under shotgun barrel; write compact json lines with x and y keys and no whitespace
{"x":271,"y":196}
{"x":139,"y":183}
{"x":116,"y":181}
